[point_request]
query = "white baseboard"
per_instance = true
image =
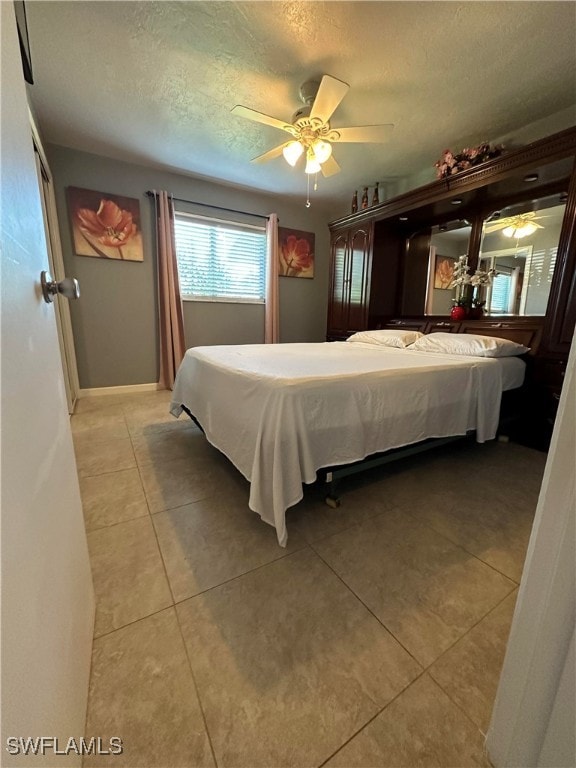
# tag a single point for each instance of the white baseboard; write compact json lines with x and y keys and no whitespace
{"x":129,"y":389}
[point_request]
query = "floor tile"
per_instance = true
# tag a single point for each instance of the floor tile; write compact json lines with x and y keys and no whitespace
{"x":491,"y":515}
{"x":98,"y":426}
{"x":211,"y":541}
{"x":170,"y":484}
{"x":424,"y":589}
{"x":464,"y":469}
{"x":288,"y":664}
{"x":469,"y":671}
{"x":101,"y":457}
{"x":94,"y":403}
{"x":128,"y":574}
{"x":94,"y":411}
{"x":151,"y":446}
{"x":315,"y":520}
{"x":494,"y":529}
{"x":112,"y":498}
{"x":422,"y":728}
{"x":142,"y":400}
{"x":141,"y":690}
{"x":154,"y":418}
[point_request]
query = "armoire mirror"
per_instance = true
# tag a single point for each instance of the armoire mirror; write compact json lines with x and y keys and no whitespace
{"x":520,"y":243}
{"x":447,"y":242}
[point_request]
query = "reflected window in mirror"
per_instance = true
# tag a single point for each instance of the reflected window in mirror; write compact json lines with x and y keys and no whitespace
{"x":520,"y":244}
{"x":447,"y":243}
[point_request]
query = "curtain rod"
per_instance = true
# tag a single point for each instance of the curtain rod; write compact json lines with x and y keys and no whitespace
{"x":149,"y":193}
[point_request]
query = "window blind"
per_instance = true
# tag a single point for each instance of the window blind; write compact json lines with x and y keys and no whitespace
{"x":220,"y":260}
{"x":500,"y":292}
{"x":542,"y":266}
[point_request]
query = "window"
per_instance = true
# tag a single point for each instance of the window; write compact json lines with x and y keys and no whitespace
{"x":501,"y":286}
{"x":220,"y":260}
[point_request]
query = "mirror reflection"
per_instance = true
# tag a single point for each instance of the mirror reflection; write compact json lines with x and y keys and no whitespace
{"x":520,"y":244}
{"x":447,"y":243}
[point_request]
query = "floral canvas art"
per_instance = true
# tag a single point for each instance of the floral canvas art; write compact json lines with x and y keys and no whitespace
{"x":105,"y":226}
{"x":296,"y":252}
{"x":443,"y":272}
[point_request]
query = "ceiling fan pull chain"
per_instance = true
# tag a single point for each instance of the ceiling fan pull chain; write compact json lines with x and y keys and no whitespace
{"x":308,"y":190}
{"x":315,"y":182}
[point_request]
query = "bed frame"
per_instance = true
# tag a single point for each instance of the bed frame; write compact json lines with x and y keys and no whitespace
{"x":524,"y":331}
{"x":332,"y":475}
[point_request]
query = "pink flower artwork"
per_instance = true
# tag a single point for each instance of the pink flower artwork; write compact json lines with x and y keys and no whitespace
{"x":104,"y":225}
{"x":296,"y":253}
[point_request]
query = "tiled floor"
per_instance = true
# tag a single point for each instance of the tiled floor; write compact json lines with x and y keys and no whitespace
{"x":374,"y":639}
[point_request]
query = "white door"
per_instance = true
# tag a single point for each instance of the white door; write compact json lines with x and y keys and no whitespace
{"x":47,"y":597}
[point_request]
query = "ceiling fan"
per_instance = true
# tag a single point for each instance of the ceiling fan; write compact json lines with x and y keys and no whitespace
{"x":310,"y":129}
{"x":521,"y":225}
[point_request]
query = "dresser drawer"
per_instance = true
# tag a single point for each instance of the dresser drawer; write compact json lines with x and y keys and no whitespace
{"x":442,"y":326}
{"x":403,"y":325}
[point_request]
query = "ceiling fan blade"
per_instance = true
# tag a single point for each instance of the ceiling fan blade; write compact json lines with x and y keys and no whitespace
{"x":270,"y":155}
{"x":330,"y":94}
{"x":489,"y":228}
{"x":364,"y":133}
{"x":259,"y":117}
{"x":330,"y":167}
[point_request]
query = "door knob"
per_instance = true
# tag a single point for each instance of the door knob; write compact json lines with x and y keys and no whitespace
{"x":69,"y":287}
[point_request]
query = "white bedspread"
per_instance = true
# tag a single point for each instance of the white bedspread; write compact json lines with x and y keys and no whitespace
{"x":280,"y":412}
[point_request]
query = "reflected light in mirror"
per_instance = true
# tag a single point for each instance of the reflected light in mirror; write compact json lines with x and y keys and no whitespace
{"x":522,"y":231}
{"x":519,"y":226}
{"x":523,"y":273}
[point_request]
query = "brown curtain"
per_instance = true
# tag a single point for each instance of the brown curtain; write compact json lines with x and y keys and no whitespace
{"x":171,"y":319}
{"x":272,"y":318}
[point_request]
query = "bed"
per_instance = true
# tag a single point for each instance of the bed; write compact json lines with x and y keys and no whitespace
{"x":282,"y":412}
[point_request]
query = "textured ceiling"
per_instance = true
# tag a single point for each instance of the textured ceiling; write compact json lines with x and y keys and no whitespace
{"x":154,"y":82}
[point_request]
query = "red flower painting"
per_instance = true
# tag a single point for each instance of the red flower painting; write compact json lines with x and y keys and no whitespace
{"x":105,"y":226}
{"x":296,"y":253}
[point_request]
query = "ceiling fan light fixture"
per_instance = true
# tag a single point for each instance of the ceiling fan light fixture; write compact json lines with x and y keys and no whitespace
{"x":520,"y":231}
{"x":312,"y":164}
{"x":322,"y":150}
{"x":292,"y":152}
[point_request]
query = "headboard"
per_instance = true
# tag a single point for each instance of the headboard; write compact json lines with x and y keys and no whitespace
{"x":523,"y":330}
{"x":528,"y":334}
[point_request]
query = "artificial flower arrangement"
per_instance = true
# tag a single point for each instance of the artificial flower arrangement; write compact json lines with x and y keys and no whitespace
{"x":461,"y":279}
{"x":452,"y":162}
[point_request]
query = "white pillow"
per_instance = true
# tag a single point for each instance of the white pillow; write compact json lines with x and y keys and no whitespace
{"x":387,"y":338}
{"x":469,"y":344}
